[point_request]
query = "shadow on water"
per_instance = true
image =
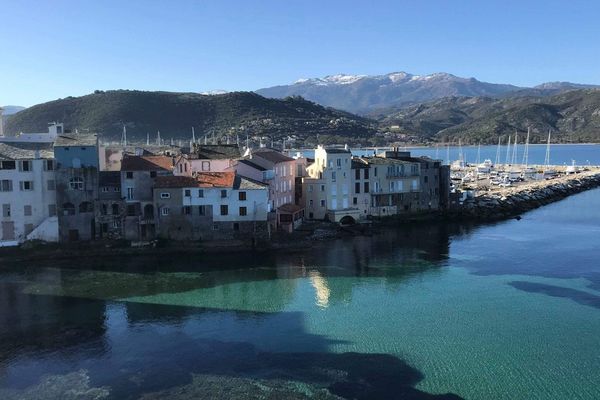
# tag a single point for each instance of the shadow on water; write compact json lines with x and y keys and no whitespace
{"x":578,"y":296}
{"x":132,"y":350}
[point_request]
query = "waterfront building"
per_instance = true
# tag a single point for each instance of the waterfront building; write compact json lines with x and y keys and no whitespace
{"x":138,"y":175}
{"x":77,"y":167}
{"x":211,"y":206}
{"x":207,"y":158}
{"x":278,"y":171}
{"x":326,"y":189}
{"x":27,"y":193}
{"x":110,"y":206}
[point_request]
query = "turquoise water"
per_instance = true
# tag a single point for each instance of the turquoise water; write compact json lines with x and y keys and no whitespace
{"x":503,"y":311}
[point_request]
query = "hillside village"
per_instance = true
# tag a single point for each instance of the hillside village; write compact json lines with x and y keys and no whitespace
{"x":60,"y":186}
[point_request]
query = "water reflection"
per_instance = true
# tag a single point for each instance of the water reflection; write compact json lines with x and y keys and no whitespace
{"x":321,"y":289}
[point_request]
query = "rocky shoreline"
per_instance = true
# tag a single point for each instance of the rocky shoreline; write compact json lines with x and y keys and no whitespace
{"x":489,"y":206}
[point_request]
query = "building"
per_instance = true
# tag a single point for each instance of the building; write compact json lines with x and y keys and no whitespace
{"x":54,"y":129}
{"x":110,"y":207}
{"x":434,"y":180}
{"x":138,"y":175}
{"x":326,"y":190}
{"x":76,"y":173}
{"x":27,"y":193}
{"x":211,"y":206}
{"x":207,"y":158}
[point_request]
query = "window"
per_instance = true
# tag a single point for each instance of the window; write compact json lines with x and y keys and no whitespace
{"x":6,"y":210}
{"x":76,"y":183}
{"x":367,"y":173}
{"x":322,"y":203}
{"x":310,"y":203}
{"x":8,"y":165}
{"x":27,"y":211}
{"x":104,"y":209}
{"x":333,"y":176}
{"x":165,"y":211}
{"x":165,"y":195}
{"x":223,"y":193}
{"x":236,"y":226}
{"x":187,"y":210}
{"x":105,"y":189}
{"x":129,"y":175}
{"x":117,"y":189}
{"x":357,"y":187}
{"x":131,"y":211}
{"x":243,"y":211}
{"x":322,"y":188}
{"x":49,"y":165}
{"x":224,"y":209}
{"x":25,"y":165}
{"x":355,"y":200}
{"x":357,"y":173}
{"x":51,"y":184}
{"x":200,"y":192}
{"x":425,"y":179}
{"x":152,"y":174}
{"x":187,"y":193}
{"x":366,"y":185}
{"x":205,"y":165}
{"x":6,"y":185}
{"x":86,"y":207}
{"x":310,"y":188}
{"x":68,"y":209}
{"x":129,"y":193}
{"x":242,"y":196}
{"x":51,"y":210}
{"x":338,"y":162}
{"x":26,"y":185}
{"x":215,"y":227}
{"x":115,"y":209}
{"x":201,"y":210}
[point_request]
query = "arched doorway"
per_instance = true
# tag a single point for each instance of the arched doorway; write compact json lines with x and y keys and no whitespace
{"x":347,"y":220}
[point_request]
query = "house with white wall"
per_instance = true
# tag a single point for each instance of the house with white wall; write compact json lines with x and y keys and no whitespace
{"x":27,"y":193}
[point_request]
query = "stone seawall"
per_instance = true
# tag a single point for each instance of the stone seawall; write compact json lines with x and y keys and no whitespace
{"x":513,"y":201}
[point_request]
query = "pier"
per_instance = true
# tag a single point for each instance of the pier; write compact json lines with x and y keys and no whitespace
{"x":489,"y":202}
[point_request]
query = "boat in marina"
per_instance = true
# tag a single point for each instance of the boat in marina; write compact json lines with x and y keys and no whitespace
{"x":548,"y":172}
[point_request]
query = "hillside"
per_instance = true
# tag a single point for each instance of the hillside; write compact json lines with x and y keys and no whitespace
{"x":175,"y":113}
{"x":573,"y":116}
{"x":363,"y":94}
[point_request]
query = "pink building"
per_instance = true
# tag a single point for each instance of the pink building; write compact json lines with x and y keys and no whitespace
{"x":207,"y":158}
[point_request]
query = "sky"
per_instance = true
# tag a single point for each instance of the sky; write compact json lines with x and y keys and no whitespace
{"x":53,"y":49}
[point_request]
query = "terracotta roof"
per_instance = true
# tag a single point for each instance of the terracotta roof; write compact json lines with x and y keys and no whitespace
{"x":146,"y":163}
{"x":241,"y":182}
{"x":215,"y":179}
{"x":169,"y":181}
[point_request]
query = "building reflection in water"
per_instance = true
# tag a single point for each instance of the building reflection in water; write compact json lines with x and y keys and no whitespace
{"x":322,"y":291}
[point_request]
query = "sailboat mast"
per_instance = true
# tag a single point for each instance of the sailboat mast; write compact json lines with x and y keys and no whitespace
{"x":478,"y":153}
{"x":514,"y":156}
{"x":497,"y":161}
{"x":508,"y":151}
{"x":547,"y":160}
{"x":526,"y":153}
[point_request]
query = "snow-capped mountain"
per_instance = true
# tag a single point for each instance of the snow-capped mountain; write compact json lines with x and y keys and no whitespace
{"x":364,"y":93}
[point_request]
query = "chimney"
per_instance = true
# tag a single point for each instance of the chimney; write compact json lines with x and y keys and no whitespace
{"x":1,"y":122}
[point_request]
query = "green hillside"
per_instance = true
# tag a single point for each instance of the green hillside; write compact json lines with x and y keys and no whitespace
{"x":175,"y":113}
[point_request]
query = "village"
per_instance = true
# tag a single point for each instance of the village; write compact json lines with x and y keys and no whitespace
{"x":60,"y":186}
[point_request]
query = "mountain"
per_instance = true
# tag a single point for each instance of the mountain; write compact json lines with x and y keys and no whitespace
{"x":363,"y":94}
{"x":175,"y":113}
{"x":10,"y":110}
{"x":573,"y":116}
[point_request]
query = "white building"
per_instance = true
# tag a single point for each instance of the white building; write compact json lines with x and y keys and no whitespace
{"x":54,"y":129}
{"x":27,"y":193}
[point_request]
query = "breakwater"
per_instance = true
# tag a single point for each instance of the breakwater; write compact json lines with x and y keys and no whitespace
{"x":512,"y":201}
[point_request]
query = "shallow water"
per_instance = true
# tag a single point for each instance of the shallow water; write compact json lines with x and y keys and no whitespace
{"x":504,"y":311}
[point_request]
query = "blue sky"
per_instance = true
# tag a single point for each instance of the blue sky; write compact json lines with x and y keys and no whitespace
{"x":53,"y":49}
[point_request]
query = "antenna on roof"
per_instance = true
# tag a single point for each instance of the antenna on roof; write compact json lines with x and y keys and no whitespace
{"x":193,"y":136}
{"x":158,"y":138}
{"x":205,"y":140}
{"x":147,"y":139}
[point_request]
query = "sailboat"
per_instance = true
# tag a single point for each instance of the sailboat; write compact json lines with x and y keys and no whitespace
{"x":514,"y":174}
{"x":548,"y":172}
{"x":528,"y":172}
{"x":460,"y":163}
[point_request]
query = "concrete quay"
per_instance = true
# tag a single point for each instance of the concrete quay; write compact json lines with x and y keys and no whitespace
{"x":501,"y":203}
